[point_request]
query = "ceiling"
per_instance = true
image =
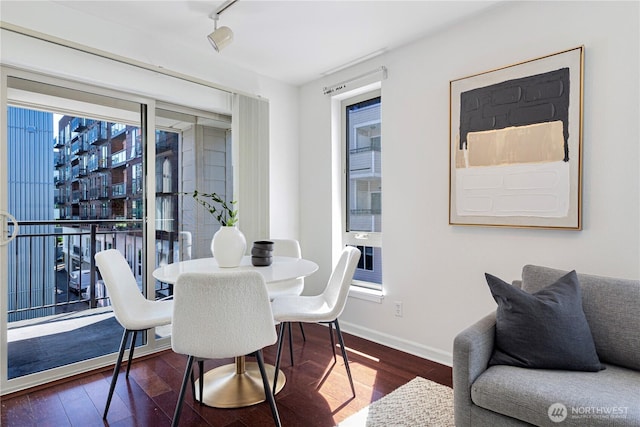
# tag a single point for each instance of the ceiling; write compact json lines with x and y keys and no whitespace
{"x":291,"y":41}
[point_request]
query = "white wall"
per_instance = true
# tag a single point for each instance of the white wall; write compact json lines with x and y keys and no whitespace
{"x":283,"y":158}
{"x":437,"y":270}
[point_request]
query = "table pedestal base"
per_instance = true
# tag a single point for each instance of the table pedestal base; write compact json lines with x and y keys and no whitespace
{"x":236,"y":385}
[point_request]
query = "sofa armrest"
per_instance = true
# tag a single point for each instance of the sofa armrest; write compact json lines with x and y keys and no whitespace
{"x":472,"y":349}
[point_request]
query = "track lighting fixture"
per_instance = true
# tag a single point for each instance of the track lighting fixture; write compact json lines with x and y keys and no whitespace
{"x":220,"y":37}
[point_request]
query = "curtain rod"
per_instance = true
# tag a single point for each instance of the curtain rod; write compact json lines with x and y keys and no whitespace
{"x":117,"y":58}
{"x":343,"y":84}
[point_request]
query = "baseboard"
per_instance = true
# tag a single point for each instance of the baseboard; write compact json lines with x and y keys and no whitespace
{"x":407,"y":346}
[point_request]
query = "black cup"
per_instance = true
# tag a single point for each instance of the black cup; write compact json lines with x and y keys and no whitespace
{"x":263,"y":244}
{"x":259,"y":261}
{"x":262,"y":253}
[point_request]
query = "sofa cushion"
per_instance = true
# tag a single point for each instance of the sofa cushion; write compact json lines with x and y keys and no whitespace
{"x":608,"y":397}
{"x":611,"y":307}
{"x":546,"y":329}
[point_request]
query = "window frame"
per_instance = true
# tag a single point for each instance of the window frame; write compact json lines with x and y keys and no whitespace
{"x":355,"y":238}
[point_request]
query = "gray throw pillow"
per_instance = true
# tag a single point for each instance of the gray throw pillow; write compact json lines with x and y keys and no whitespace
{"x":546,"y":329}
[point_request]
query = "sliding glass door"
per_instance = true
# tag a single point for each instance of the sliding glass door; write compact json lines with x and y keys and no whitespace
{"x":72,"y":174}
{"x":193,"y":151}
{"x":84,"y":169}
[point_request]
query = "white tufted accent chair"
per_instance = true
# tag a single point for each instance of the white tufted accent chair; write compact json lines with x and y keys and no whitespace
{"x":218,"y":316}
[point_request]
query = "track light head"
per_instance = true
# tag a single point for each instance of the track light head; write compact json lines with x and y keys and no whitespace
{"x":220,"y":37}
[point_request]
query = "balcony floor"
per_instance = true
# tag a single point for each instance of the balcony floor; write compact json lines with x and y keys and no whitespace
{"x":40,"y":344}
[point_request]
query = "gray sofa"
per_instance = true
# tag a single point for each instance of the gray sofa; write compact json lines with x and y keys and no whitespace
{"x":502,"y":395}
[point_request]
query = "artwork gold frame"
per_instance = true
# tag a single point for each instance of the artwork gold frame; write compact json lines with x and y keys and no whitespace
{"x":515,"y":140}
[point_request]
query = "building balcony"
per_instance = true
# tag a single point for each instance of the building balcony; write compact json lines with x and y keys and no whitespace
{"x":75,"y":172}
{"x":83,"y":147}
{"x":98,"y":133}
{"x":78,"y":124}
{"x":98,"y":164}
{"x":365,"y":219}
{"x":365,"y":163}
{"x":119,"y":159}
{"x":100,"y":193}
{"x":117,"y":129}
{"x":103,"y":164}
{"x":119,"y":190}
{"x":79,"y":146}
{"x":46,"y":309}
{"x":59,"y":159}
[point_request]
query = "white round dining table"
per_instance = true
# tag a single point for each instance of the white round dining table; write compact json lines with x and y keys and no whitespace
{"x":282,"y":268}
{"x":238,"y":384}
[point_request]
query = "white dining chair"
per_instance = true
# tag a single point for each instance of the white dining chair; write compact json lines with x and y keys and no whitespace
{"x":222,"y":315}
{"x":323,"y":308}
{"x":131,"y":309}
{"x":289,"y":248}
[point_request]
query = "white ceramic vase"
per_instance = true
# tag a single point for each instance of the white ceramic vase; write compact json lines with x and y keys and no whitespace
{"x":228,"y":246}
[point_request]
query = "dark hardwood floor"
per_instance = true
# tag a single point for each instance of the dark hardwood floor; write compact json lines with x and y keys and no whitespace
{"x":316,"y":393}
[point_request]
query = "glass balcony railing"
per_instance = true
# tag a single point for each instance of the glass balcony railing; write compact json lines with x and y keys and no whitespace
{"x":78,"y":124}
{"x":97,"y":133}
{"x":102,"y":192}
{"x":119,"y":190}
{"x":365,"y":162}
{"x":117,"y":129}
{"x":79,"y":145}
{"x":365,"y":219}
{"x":118,"y":158}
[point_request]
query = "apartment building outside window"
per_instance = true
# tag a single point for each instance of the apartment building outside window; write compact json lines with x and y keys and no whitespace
{"x":80,"y":164}
{"x":363,"y":185}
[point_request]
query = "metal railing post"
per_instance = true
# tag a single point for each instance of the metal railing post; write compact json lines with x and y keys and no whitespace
{"x":92,"y":268}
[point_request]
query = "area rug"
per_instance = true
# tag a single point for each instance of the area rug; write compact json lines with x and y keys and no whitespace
{"x":419,"y":402}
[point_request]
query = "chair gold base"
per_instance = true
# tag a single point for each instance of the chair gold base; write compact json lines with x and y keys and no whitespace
{"x":236,"y":385}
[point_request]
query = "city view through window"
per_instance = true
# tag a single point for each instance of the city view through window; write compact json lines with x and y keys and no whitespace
{"x":363,"y":193}
{"x":76,"y":187}
{"x":83,"y":174}
{"x":76,"y":192}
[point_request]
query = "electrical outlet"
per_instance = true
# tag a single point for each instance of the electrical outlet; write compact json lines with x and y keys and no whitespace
{"x":398,"y":308}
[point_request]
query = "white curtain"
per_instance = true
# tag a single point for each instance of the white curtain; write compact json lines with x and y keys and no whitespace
{"x":250,"y":133}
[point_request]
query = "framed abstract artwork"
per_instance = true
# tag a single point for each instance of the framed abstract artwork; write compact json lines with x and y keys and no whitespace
{"x":515,"y":140}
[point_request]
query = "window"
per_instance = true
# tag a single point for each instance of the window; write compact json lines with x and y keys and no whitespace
{"x":362,"y":185}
